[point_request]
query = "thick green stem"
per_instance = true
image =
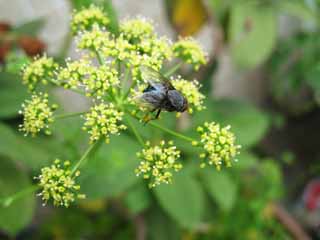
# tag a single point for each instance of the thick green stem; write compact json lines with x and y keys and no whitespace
{"x":67,"y":115}
{"x":85,"y":156}
{"x":6,"y":202}
{"x":135,"y":132}
{"x":173,"y":69}
{"x":99,"y":58}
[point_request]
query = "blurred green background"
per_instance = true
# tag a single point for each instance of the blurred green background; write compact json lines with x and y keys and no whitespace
{"x":263,"y":78}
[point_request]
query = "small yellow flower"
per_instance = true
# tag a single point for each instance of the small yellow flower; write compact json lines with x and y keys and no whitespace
{"x":37,"y":115}
{"x":190,"y":90}
{"x":94,"y":40}
{"x":118,"y":48}
{"x":85,"y":19}
{"x":158,"y":163}
{"x":218,"y":144}
{"x":58,"y":183}
{"x":40,"y":70}
{"x":136,"y":29}
{"x":102,"y":121}
{"x":100,"y":81}
{"x":189,"y":51}
{"x":74,"y":73}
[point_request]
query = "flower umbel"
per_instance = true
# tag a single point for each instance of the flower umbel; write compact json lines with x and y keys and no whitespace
{"x":40,"y":70}
{"x":103,"y":120}
{"x":136,"y":29}
{"x":85,"y":19}
{"x":190,"y":90}
{"x":158,"y":163}
{"x":219,"y":145}
{"x":37,"y":114}
{"x":189,"y":51}
{"x":58,"y":183}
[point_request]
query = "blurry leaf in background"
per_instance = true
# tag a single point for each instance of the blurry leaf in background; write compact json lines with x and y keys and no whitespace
{"x":138,"y":198}
{"x":252,"y":33}
{"x":183,"y":200}
{"x":298,"y":8}
{"x":247,"y":122}
{"x":161,"y":227}
{"x":220,"y":186}
{"x":31,"y":28}
{"x":246,"y":160}
{"x":111,"y":170}
{"x":22,"y":149}
{"x":12,"y":94}
{"x":14,"y":63}
{"x":19,"y":214}
{"x":186,"y":16}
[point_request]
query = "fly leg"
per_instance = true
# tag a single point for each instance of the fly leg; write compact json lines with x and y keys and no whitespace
{"x":158,"y":113}
{"x":147,"y":118}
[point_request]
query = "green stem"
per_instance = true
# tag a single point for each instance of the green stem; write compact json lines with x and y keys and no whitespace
{"x":62,"y":116}
{"x":6,"y":202}
{"x":171,"y":132}
{"x":173,"y":69}
{"x":125,"y":81}
{"x":135,"y":132}
{"x":71,"y":89}
{"x":85,"y":156}
{"x":99,"y":58}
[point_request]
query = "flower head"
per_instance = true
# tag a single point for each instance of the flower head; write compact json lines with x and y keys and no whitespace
{"x":100,"y":81}
{"x":74,"y":73}
{"x":102,"y":121}
{"x":95,"y":40}
{"x":190,"y":90}
{"x":58,"y":183}
{"x":37,"y":114}
{"x":118,"y":48}
{"x":189,"y":51}
{"x":136,"y":29}
{"x":87,"y":18}
{"x":218,"y":144}
{"x":158,"y":163}
{"x":41,"y":70}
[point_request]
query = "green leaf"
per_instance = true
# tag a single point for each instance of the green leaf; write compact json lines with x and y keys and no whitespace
{"x":183,"y":200}
{"x":299,"y":9}
{"x":112,"y":15}
{"x":31,"y":28}
{"x":252,"y":33}
{"x":138,"y":198}
{"x":12,"y":94}
{"x":33,"y":153}
{"x":221,"y":188}
{"x":111,"y":171}
{"x":161,"y":227}
{"x":247,"y":122}
{"x":246,"y":160}
{"x":19,"y":214}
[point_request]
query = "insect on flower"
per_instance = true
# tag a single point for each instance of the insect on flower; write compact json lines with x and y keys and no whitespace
{"x":160,"y":94}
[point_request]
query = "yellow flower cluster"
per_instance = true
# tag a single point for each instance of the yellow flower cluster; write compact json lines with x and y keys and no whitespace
{"x":100,"y":80}
{"x":37,"y":115}
{"x":95,"y":40}
{"x":158,"y":163}
{"x":58,"y":183}
{"x":73,"y":74}
{"x":219,"y":145}
{"x":189,"y":51}
{"x":190,"y":90}
{"x":103,"y":120}
{"x":87,"y":18}
{"x":137,"y":29}
{"x":40,"y":70}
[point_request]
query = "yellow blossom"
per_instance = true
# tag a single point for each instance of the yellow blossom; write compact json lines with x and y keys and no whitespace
{"x":87,"y":18}
{"x":136,"y":29}
{"x":190,"y":90}
{"x":158,"y":163}
{"x":218,"y":144}
{"x":189,"y":51}
{"x":95,"y":40}
{"x":37,"y":115}
{"x":57,"y":182}
{"x":103,"y":120}
{"x":40,"y":70}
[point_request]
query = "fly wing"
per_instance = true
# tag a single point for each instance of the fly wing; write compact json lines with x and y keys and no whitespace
{"x":152,"y":76}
